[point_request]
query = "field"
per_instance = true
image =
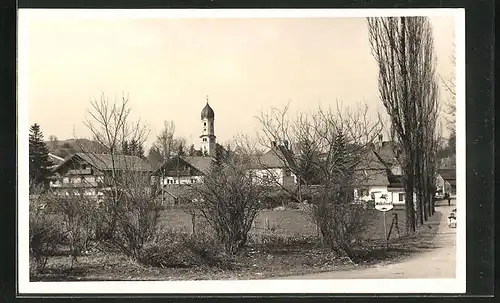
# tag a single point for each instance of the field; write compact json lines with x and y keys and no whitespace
{"x":303,"y":253}
{"x":289,"y":222}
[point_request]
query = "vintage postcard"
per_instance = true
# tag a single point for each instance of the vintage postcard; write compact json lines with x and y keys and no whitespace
{"x":241,"y":151}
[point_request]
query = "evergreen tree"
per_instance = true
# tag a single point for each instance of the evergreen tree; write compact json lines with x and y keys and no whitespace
{"x":452,"y":143}
{"x":125,"y":148}
{"x":192,"y":151}
{"x":133,"y":147}
{"x":39,"y":156}
{"x":306,"y":158}
{"x":140,"y":151}
{"x":181,"y":151}
{"x":219,"y":154}
{"x":340,"y":152}
{"x":154,"y":156}
{"x":341,"y":169}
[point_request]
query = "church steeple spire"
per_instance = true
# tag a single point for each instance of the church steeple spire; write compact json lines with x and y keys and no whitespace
{"x":208,"y":135}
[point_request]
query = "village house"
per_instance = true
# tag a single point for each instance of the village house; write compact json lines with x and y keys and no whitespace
{"x":89,"y":174}
{"x":54,"y":160}
{"x":273,"y":167}
{"x":179,"y":171}
{"x":381,"y":175}
{"x":446,"y":182}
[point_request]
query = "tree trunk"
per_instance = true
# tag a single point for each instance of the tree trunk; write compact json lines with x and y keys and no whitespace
{"x":193,"y":222}
{"x":410,"y":206}
{"x":299,"y":189}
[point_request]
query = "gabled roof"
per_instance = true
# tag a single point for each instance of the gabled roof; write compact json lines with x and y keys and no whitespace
{"x":395,"y":181}
{"x":203,"y":164}
{"x":200,"y":163}
{"x":386,"y":153}
{"x":55,"y":159}
{"x":104,"y":162}
{"x":448,"y":174}
{"x":373,"y":178}
{"x":276,"y":157}
{"x":371,"y":161}
{"x":370,"y":171}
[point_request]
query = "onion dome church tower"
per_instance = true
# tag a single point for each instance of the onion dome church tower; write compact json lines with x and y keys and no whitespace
{"x":208,"y":135}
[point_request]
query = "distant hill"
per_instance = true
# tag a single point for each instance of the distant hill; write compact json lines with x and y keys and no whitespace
{"x":63,"y":148}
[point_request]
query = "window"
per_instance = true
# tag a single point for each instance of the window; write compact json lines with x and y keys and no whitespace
{"x":204,"y":123}
{"x":401,"y":197}
{"x":204,"y":129}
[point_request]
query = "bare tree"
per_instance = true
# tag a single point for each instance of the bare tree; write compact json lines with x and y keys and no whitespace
{"x":345,"y":138}
{"x":449,"y":84}
{"x":403,"y":50}
{"x":130,"y":210}
{"x":167,"y":143}
{"x":229,"y":201}
{"x":45,"y":233}
{"x":54,"y":143}
{"x":325,"y":148}
{"x":291,"y":140}
{"x":303,"y":141}
{"x":450,"y":87}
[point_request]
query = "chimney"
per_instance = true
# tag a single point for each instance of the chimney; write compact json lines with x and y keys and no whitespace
{"x":380,"y":140}
{"x":285,"y":143}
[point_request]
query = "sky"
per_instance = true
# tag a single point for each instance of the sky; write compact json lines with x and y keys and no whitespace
{"x":168,"y":67}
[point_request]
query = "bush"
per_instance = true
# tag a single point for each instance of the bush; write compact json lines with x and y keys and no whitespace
{"x":181,"y":250}
{"x":209,"y":251}
{"x":45,"y":236}
{"x":341,"y":224}
{"x":79,"y":216}
{"x":274,"y":239}
{"x":229,"y":201}
{"x":168,"y":252}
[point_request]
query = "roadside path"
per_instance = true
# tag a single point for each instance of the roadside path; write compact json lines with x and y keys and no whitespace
{"x":438,"y":262}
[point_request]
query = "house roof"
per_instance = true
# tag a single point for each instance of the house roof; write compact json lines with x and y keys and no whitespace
{"x":372,"y":177}
{"x":55,"y":159}
{"x":370,"y":161}
{"x":448,"y":174}
{"x":386,"y":153}
{"x":203,"y":164}
{"x":274,"y":158}
{"x":370,"y":171}
{"x":395,"y":181}
{"x":200,"y":163}
{"x":104,"y":162}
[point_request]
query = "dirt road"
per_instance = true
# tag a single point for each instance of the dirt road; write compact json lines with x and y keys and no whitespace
{"x":438,"y":262}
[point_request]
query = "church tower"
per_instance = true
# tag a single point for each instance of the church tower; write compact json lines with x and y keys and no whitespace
{"x":207,"y":133}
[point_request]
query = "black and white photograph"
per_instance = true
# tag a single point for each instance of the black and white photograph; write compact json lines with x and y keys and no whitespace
{"x":228,"y":151}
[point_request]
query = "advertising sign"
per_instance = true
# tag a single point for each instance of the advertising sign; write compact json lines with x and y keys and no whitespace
{"x":382,"y":202}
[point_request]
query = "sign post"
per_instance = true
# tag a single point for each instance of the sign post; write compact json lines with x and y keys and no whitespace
{"x":383,"y":204}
